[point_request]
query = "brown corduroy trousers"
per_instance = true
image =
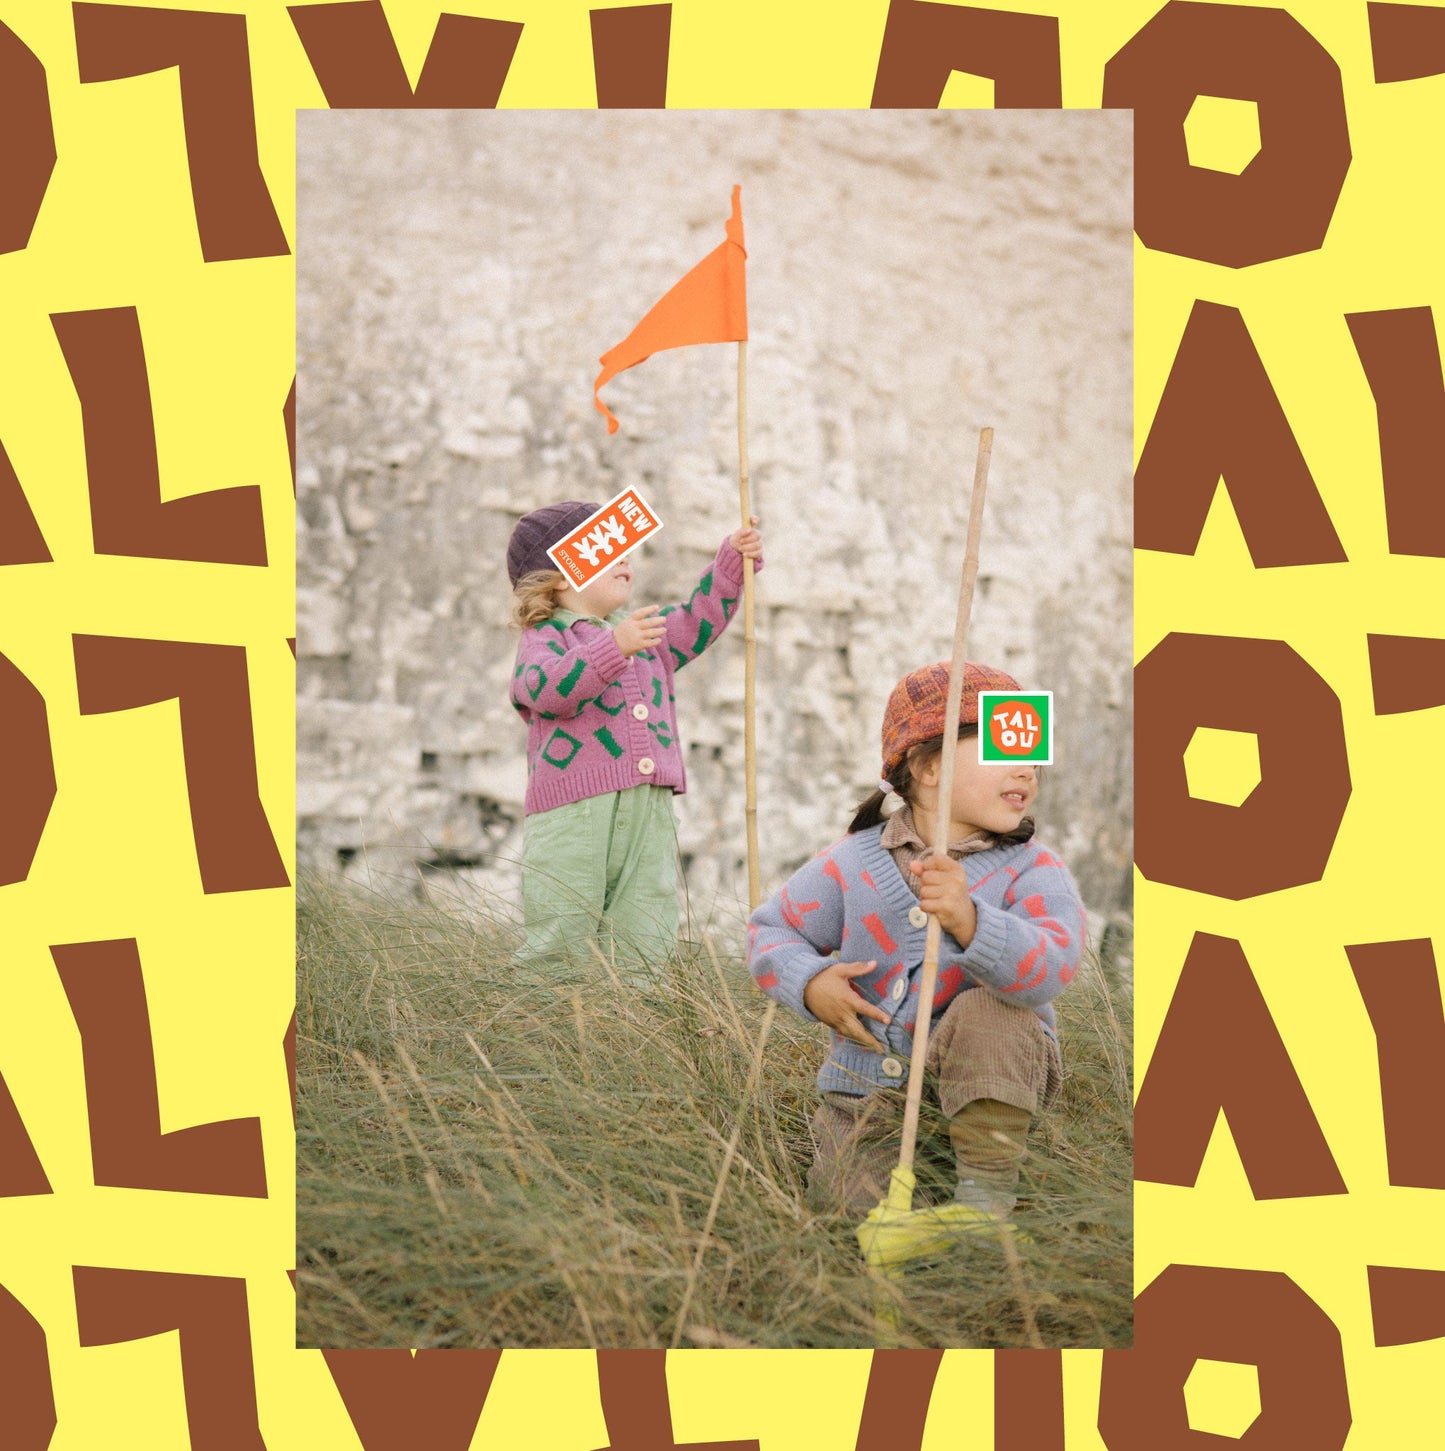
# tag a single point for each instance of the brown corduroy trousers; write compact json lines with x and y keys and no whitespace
{"x":991,"y":1068}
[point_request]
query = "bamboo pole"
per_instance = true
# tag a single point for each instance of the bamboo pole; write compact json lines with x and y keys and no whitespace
{"x":945,"y":798}
{"x":750,"y":650}
{"x":750,"y":773}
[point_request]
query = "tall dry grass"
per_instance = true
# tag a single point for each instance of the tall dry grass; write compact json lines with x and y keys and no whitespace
{"x":489,"y":1156}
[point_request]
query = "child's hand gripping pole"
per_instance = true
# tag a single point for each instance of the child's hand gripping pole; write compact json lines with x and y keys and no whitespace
{"x":885,"y":1242}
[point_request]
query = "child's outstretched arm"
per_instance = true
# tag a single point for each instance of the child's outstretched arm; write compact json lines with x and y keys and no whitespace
{"x":1022,"y":930}
{"x":695,"y":624}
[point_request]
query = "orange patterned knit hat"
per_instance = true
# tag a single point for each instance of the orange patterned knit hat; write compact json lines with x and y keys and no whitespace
{"x":915,"y":708}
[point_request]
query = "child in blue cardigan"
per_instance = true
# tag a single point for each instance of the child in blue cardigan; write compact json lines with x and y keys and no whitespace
{"x":842,"y":943}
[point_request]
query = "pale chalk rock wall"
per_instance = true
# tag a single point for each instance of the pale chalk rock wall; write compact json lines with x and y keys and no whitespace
{"x":911,"y":278}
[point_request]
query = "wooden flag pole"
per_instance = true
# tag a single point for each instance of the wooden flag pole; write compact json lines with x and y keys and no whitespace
{"x":750,"y":772}
{"x":945,"y":798}
{"x":750,"y":652}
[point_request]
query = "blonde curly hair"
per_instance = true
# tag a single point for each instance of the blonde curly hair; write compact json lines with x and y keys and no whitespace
{"x":534,"y":597}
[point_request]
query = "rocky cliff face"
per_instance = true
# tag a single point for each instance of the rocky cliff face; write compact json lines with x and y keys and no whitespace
{"x":911,"y":278}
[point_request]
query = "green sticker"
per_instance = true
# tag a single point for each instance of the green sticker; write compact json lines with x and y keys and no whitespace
{"x":1016,"y":726}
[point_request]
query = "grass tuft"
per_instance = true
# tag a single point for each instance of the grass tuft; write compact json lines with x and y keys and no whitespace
{"x":490,"y":1156}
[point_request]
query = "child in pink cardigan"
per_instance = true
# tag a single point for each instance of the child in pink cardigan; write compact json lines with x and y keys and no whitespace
{"x":594,"y":683}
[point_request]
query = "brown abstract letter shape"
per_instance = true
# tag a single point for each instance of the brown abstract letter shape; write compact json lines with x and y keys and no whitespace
{"x":107,"y":996}
{"x":895,"y":1405}
{"x":1407,"y":42}
{"x":1219,"y":415}
{"x":1401,"y":989}
{"x":106,"y":359}
{"x":234,"y":213}
{"x":21,"y":1171}
{"x":217,"y":1372}
{"x":1028,"y":1400}
{"x":21,"y":541}
{"x":398,"y":1401}
{"x":288,"y":1052}
{"x":1254,"y":1317}
{"x":235,"y":850}
{"x":354,"y":56}
{"x":27,"y":772}
{"x":1281,"y":203}
{"x":1237,"y":684}
{"x":629,"y":56}
{"x":1407,"y":672}
{"x":288,"y":419}
{"x":924,"y":43}
{"x":635,"y":1405}
{"x":1406,"y":1305}
{"x":1192,"y":1079}
{"x":27,"y":158}
{"x":29,"y":1403}
{"x":1401,"y":357}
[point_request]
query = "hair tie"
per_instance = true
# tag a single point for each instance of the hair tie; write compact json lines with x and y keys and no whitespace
{"x":886,"y":787}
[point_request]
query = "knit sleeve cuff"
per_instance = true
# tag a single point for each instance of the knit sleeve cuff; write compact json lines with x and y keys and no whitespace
{"x":791,"y":989}
{"x":782,"y":957}
{"x":984,"y":955}
{"x":606,"y":659}
{"x":728,"y":566}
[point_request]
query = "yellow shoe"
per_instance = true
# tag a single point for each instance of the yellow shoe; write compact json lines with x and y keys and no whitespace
{"x":895,"y":1234}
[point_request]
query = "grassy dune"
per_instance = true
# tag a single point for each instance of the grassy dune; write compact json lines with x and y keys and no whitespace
{"x":488,"y":1157}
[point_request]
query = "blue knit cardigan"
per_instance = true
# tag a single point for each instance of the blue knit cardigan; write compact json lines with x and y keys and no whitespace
{"x":851,"y":904}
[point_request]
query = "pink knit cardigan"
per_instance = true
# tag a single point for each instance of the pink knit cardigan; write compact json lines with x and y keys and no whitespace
{"x":598,"y":721}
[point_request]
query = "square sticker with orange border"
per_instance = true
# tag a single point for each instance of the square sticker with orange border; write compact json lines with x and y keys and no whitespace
{"x":602,"y":539}
{"x":1016,"y":726}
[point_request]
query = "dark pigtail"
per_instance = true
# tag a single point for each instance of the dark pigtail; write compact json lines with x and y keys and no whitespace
{"x":869,"y":811}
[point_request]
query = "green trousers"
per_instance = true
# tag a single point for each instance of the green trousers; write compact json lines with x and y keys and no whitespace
{"x":604,"y":870}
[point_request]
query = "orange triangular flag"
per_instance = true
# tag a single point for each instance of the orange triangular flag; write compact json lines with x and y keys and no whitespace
{"x":709,"y":305}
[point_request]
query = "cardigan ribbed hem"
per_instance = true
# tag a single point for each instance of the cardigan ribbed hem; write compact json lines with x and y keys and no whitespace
{"x":619,"y":776}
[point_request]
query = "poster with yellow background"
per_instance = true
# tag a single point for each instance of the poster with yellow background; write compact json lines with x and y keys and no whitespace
{"x":1289,"y":1012}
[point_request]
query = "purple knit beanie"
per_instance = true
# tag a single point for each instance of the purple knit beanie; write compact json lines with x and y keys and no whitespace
{"x":538,"y":531}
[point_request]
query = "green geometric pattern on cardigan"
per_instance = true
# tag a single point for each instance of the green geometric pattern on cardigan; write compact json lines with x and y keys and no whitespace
{"x":559,"y":735}
{"x":704,"y":587}
{"x":534,"y":680}
{"x":617,"y":692}
{"x":570,"y":679}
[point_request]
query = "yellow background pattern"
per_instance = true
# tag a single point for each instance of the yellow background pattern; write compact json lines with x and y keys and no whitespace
{"x":117,"y":228}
